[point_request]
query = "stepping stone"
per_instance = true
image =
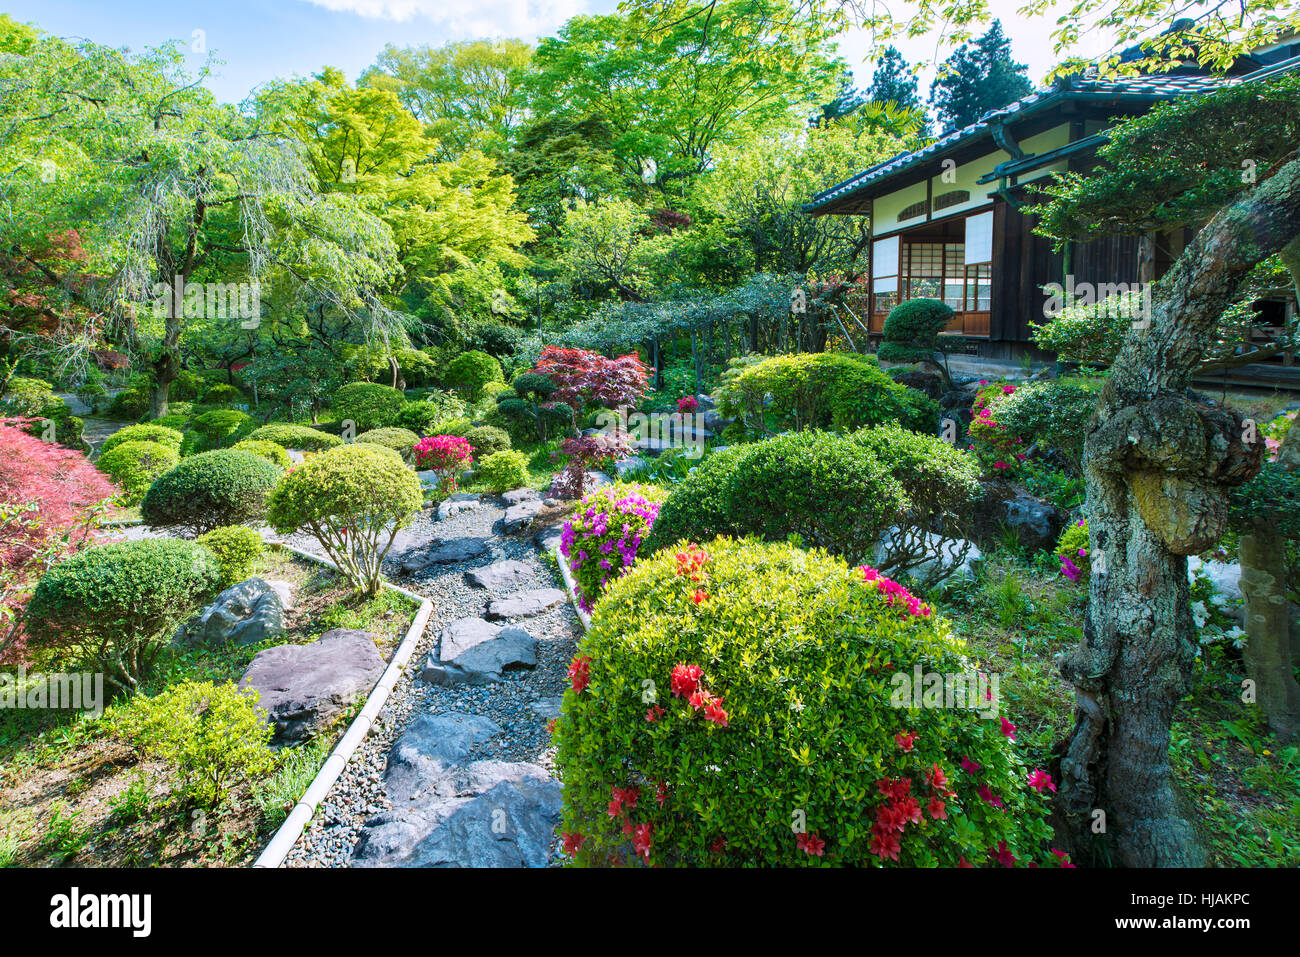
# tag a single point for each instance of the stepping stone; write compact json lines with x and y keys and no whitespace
{"x":303,"y":687}
{"x":546,"y":707}
{"x":548,"y":539}
{"x":432,"y":744}
{"x":517,"y":516}
{"x":499,"y":574}
{"x":525,"y":604}
{"x":477,"y":652}
{"x":515,"y":496}
{"x":457,"y":503}
{"x":439,"y":552}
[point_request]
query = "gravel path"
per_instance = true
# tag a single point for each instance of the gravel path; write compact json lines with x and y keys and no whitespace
{"x":522,"y":704}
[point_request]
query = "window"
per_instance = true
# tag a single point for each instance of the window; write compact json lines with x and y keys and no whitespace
{"x":978,"y":296}
{"x":913,"y":211}
{"x":884,"y":274}
{"x":979,"y":288}
{"x":952,"y":198}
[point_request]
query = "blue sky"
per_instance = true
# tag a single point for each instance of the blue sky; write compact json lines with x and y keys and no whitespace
{"x":277,"y":38}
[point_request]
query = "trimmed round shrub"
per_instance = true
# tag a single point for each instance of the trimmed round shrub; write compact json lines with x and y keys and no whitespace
{"x":1053,"y":414}
{"x":301,"y":437}
{"x":495,"y":338}
{"x":273,"y":453}
{"x":368,"y":405}
{"x":401,"y":441}
{"x":470,"y":371}
{"x":115,"y":606}
{"x":821,"y":486}
{"x":144,"y":432}
{"x":912,"y":328}
{"x":135,"y":465}
{"x":237,"y":548}
{"x":603,"y":537}
{"x":176,"y":421}
{"x":219,"y":426}
{"x":209,"y":490}
{"x":459,"y":427}
{"x":487,"y":439}
{"x":503,"y":471}
{"x":223,"y":394}
{"x":748,"y":704}
{"x":352,"y":500}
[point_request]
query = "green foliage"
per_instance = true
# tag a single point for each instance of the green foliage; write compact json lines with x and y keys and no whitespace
{"x":212,"y":738}
{"x":135,"y":465}
{"x":237,"y":548}
{"x":419,"y":415}
{"x":155,"y":431}
{"x":1073,"y":546}
{"x":220,"y":427}
{"x":1268,"y":501}
{"x":978,"y":78}
{"x":503,"y":471}
{"x":824,"y":487}
{"x":941,"y":482}
{"x":353,"y":499}
{"x":223,"y":394}
{"x":273,"y":453}
{"x":470,"y":371}
{"x":485,"y":440}
{"x":1090,"y":333}
{"x":773,"y":752}
{"x":34,"y":398}
{"x":115,"y":606}
{"x":1053,"y":414}
{"x":209,"y":490}
{"x":911,"y":330}
{"x":300,"y":437}
{"x":368,"y":405}
{"x":401,"y":441}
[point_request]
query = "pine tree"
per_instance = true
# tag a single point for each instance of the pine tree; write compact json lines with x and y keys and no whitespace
{"x":977,"y":79}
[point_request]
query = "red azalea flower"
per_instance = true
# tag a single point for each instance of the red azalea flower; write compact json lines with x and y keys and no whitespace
{"x":937,"y":809}
{"x":700,"y":596}
{"x":989,"y":797}
{"x":938,"y":780}
{"x":719,"y":845}
{"x":661,"y":793}
{"x":627,"y":826}
{"x":713,"y":712}
{"x":1039,"y":779}
{"x":551,"y":725}
{"x":1008,"y":729}
{"x":905,"y":740}
{"x":580,"y":673}
{"x":573,"y":843}
{"x":685,"y":679}
{"x":615,"y":807}
{"x":1063,"y":857}
{"x":962,"y":862}
{"x":969,"y":766}
{"x":641,"y":840}
{"x":884,"y":845}
{"x":1002,"y":855}
{"x":894,"y":787}
{"x":810,"y":844}
{"x":654,"y":713}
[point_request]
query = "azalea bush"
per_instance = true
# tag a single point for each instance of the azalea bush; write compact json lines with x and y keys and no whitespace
{"x":604,"y":536}
{"x":736,"y":704}
{"x":1073,"y":550}
{"x":353,"y":500}
{"x":1050,"y":416}
{"x":446,"y":456}
{"x":996,"y":446}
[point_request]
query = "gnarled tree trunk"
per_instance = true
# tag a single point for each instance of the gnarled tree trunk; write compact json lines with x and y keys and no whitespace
{"x":1157,"y":465}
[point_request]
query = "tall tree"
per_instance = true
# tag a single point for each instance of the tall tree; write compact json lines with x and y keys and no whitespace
{"x":894,"y":82}
{"x":978,"y":78}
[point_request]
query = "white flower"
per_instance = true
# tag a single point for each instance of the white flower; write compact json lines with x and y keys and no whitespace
{"x":1200,"y":614}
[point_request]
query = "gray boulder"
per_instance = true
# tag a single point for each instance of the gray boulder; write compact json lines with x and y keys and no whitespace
{"x":517,"y":516}
{"x":525,"y":604}
{"x":477,"y":652}
{"x":499,"y":574}
{"x":433,"y":743}
{"x":548,"y":539}
{"x":417,"y":558}
{"x":247,"y":613}
{"x":517,"y":495}
{"x":303,"y":687}
{"x":456,"y":503}
{"x":1036,"y":524}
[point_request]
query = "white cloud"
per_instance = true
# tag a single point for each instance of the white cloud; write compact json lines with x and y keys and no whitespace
{"x":474,"y":18}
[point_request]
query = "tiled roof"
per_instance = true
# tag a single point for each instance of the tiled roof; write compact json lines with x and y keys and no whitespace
{"x":1158,"y":86}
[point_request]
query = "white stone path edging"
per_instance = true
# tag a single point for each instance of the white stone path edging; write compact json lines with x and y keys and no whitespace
{"x":287,"y":836}
{"x":571,"y":587}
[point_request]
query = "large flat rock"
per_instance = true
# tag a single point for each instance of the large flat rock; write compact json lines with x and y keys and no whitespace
{"x":500,"y":574}
{"x":246,"y":613}
{"x":525,"y":604}
{"x":425,"y":751}
{"x":474,"y":651}
{"x":434,"y":551}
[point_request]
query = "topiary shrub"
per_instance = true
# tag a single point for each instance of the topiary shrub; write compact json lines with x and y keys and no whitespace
{"x":176,"y":421}
{"x":223,"y":394}
{"x":368,"y":405}
{"x":485,"y":440}
{"x":503,"y":471}
{"x":824,"y":487}
{"x":221,"y":427}
{"x":115,"y":606}
{"x":145,"y":432}
{"x":911,"y":330}
{"x":470,"y":371}
{"x":301,"y":437}
{"x":273,"y":453}
{"x":746,"y":704}
{"x":209,"y":490}
{"x":237,"y":548}
{"x":603,"y":537}
{"x":1054,"y":415}
{"x":401,"y":441}
{"x":212,"y":737}
{"x":353,"y":500}
{"x":135,"y":465}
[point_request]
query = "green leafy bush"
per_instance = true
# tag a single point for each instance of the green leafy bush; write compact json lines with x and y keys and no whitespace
{"x":1090,"y":333}
{"x":459,"y":427}
{"x":503,"y":471}
{"x":470,"y":371}
{"x":1073,"y":551}
{"x":223,"y":394}
{"x":211,"y":736}
{"x":221,"y":426}
{"x":368,"y":405}
{"x":115,"y":606}
{"x":353,"y":500}
{"x":401,"y":441}
{"x":1053,"y":414}
{"x":273,"y":453}
{"x":487,"y":439}
{"x":824,"y":487}
{"x":145,"y":432}
{"x":746,"y":704}
{"x":301,"y":437}
{"x":911,"y":330}
{"x":237,"y":548}
{"x":419,"y":415}
{"x":135,"y":465}
{"x":176,"y":421}
{"x":209,"y":490}
{"x":35,"y":398}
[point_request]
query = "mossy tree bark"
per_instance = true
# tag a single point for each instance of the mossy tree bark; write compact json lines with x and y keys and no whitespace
{"x":1157,"y":465}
